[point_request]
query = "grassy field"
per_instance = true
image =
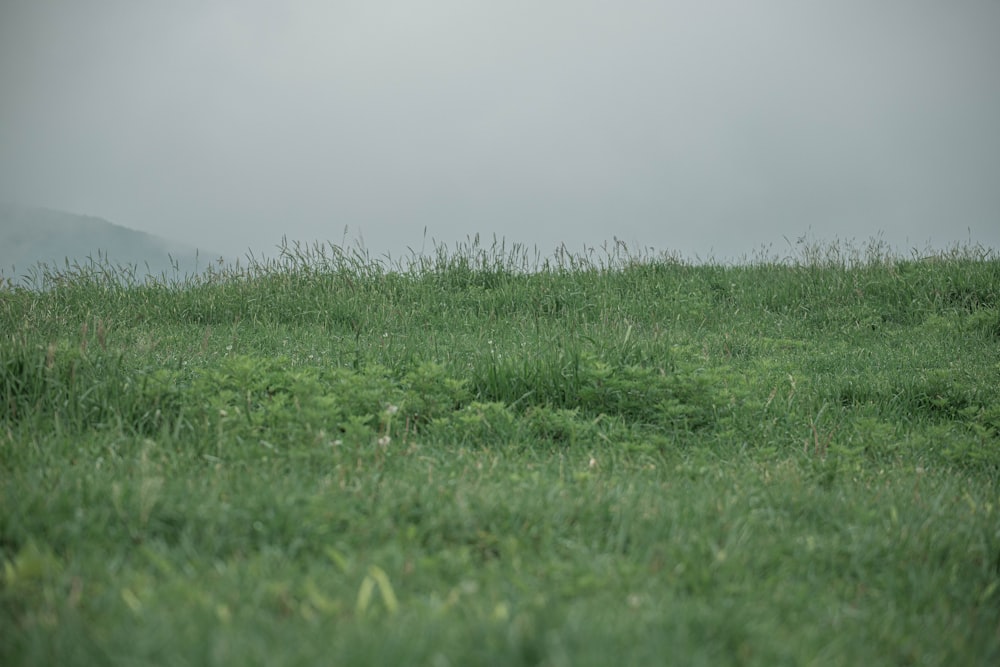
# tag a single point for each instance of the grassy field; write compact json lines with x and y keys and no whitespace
{"x":486,"y":457}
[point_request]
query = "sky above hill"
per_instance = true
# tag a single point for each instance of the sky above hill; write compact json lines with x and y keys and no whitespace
{"x":711,"y":128}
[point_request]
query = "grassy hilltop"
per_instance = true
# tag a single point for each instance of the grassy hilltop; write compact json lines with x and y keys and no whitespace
{"x":484,"y":458}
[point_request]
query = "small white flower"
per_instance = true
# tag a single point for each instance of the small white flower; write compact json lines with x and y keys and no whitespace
{"x":391,"y":409}
{"x":384,"y":441}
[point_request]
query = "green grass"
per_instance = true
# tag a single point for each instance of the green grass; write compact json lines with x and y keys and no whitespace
{"x":486,"y":457}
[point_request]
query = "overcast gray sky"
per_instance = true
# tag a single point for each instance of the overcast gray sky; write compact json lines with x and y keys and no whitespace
{"x":709,"y":127}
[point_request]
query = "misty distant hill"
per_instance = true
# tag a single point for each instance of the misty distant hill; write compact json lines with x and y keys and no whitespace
{"x":29,"y":236}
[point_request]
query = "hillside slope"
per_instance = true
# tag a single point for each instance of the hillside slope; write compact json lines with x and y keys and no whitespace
{"x":29,"y":236}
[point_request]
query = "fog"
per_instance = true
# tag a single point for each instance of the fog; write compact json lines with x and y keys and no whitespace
{"x":709,"y":128}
